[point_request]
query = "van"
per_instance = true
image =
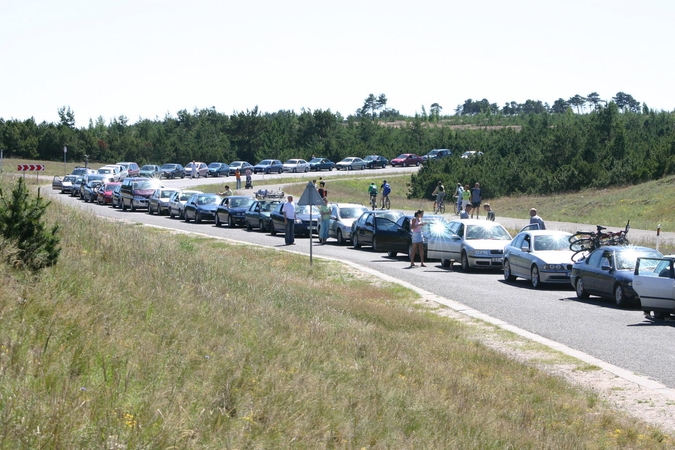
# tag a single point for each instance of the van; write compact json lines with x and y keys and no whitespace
{"x":135,"y":192}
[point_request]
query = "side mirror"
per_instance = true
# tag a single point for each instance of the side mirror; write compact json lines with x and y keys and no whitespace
{"x":525,"y":248}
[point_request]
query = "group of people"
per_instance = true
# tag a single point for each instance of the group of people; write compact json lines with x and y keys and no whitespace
{"x":469,"y":202}
{"x":237,"y":177}
{"x":385,"y":188}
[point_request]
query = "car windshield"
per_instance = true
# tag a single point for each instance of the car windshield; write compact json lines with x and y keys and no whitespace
{"x":214,"y":165}
{"x":184,"y":196}
{"x":486,"y":232}
{"x":69,"y":178}
{"x":369,"y":158}
{"x":304,"y":209}
{"x":241,"y":202}
{"x":316,"y":160}
{"x":265,"y":162}
{"x":104,"y":171}
{"x":144,"y":185}
{"x":403,"y":156}
{"x":166,"y":193}
{"x":627,"y":259}
{"x":552,"y":243}
{"x":352,"y":213}
{"x":148,"y":168}
{"x":168,"y":166}
{"x":236,"y":164}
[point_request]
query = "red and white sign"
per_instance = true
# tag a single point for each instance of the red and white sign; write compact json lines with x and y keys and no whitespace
{"x":30,"y":167}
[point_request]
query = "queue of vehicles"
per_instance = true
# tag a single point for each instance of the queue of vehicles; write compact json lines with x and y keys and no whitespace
{"x":626,"y":274}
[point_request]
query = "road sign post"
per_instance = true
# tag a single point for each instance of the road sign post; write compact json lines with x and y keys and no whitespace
{"x":65,"y":150}
{"x":312,"y":198}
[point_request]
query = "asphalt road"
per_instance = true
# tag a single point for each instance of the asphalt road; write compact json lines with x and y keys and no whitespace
{"x":621,"y":337}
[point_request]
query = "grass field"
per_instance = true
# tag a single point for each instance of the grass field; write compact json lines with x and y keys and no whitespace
{"x":142,"y":338}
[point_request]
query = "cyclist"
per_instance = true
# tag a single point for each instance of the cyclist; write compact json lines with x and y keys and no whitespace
{"x":386,"y":190}
{"x":439,"y":193}
{"x":372,"y":192}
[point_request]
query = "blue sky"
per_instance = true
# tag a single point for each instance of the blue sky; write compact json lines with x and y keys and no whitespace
{"x":149,"y":59}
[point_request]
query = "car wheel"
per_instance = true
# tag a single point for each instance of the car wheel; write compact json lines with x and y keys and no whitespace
{"x":349,"y":167}
{"x":508,"y":276}
{"x":295,"y":170}
{"x":374,"y":245}
{"x":391,"y":254}
{"x":198,"y":218}
{"x":619,"y":296}
{"x":306,"y":169}
{"x":363,"y":167}
{"x":248,"y":226}
{"x":330,"y":169}
{"x":340,"y":238}
{"x":230,"y":221}
{"x":405,"y":164}
{"x":581,"y":292}
{"x":465,"y":262}
{"x":261,"y":225}
{"x":273,"y":231}
{"x":446,"y":263}
{"x":355,"y":241}
{"x":182,"y":175}
{"x":417,"y":163}
{"x":124,"y":206}
{"x":218,"y":222}
{"x":185,"y":216}
{"x":171,"y":214}
{"x":534,"y":279}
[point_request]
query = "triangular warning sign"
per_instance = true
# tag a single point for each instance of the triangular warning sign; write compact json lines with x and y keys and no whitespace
{"x":310,"y":196}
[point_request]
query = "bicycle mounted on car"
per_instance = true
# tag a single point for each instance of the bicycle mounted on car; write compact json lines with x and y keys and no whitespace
{"x":583,"y":242}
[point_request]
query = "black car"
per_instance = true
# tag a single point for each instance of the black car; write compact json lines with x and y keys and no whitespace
{"x":375,"y":161}
{"x":117,"y":197}
{"x":218,"y":169}
{"x":302,"y":220}
{"x":258,"y":214}
{"x":269,"y":166}
{"x":608,"y":272}
{"x":172,"y":171}
{"x":431,"y":221}
{"x":232,"y":210}
{"x":380,"y":230}
{"x":319,"y":164}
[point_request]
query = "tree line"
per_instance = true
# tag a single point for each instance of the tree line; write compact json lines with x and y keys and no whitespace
{"x":538,"y":152}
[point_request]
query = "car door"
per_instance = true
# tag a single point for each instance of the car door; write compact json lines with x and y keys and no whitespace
{"x":654,"y":282}
{"x":57,"y":184}
{"x":516,"y":254}
{"x":391,"y":236}
{"x":597,"y":273}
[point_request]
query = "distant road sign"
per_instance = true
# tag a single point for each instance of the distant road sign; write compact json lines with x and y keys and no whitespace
{"x":30,"y":167}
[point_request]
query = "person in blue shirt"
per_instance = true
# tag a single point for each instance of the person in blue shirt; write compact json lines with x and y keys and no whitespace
{"x":386,"y":190}
{"x":535,"y":219}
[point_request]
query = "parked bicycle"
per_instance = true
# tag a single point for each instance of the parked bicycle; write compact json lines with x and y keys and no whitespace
{"x":583,"y":242}
{"x":373,"y":201}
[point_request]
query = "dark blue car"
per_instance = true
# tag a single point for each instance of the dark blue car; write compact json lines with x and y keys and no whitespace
{"x":201,"y":207}
{"x":232,"y":210}
{"x":218,"y":169}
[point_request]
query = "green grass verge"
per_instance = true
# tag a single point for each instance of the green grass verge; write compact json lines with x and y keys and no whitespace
{"x":142,"y":338}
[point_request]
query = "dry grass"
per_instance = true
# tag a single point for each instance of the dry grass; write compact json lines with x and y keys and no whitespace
{"x":145,"y":339}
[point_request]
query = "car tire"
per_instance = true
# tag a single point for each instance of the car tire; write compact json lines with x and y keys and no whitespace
{"x":132,"y":207}
{"x":261,"y":225}
{"x":340,"y":237}
{"x":330,"y":169}
{"x":620,"y":299}
{"x":273,"y":231}
{"x":218,"y":222}
{"x":465,"y":262}
{"x":355,"y":241}
{"x":171,"y":214}
{"x":185,"y":217}
{"x":349,"y":167}
{"x":446,"y":263}
{"x":363,"y":167}
{"x":198,"y":218}
{"x":392,"y":254}
{"x":508,"y":276}
{"x":535,"y":280}
{"x":306,"y":169}
{"x":124,"y":206}
{"x":579,"y":287}
{"x":405,"y":164}
{"x":374,"y":244}
{"x":230,"y":221}
{"x":248,"y":226}
{"x":417,"y":163}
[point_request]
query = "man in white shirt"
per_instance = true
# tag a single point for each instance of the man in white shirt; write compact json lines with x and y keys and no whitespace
{"x":288,"y":210}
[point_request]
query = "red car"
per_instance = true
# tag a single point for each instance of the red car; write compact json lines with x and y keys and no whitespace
{"x":104,"y":196}
{"x":406,"y":159}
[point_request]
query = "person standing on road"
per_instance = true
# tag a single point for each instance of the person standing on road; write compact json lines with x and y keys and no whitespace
{"x":325,"y":211}
{"x":459,"y":194}
{"x":476,"y":199}
{"x":535,"y":219}
{"x":194,"y":169}
{"x":288,"y":210}
{"x":417,"y":238}
{"x":466,"y":196}
{"x":386,"y":190}
{"x":490,"y":213}
{"x":237,"y":176}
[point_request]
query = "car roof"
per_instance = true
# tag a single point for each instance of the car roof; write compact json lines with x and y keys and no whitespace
{"x":547,"y":232}
{"x":477,"y":222}
{"x":348,"y":205}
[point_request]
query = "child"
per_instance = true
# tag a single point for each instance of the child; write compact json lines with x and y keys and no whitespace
{"x":489,"y":211}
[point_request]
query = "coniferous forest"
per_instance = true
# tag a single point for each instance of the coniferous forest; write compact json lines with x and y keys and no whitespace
{"x":528,"y":148}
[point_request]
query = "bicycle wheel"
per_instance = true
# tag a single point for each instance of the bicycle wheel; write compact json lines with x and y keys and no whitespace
{"x":441,"y":209}
{"x":387,"y":203}
{"x":583,"y":244}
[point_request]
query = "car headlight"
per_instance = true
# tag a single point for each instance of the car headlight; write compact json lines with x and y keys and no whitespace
{"x":298,"y":221}
{"x":481,"y":252}
{"x":553,"y":267}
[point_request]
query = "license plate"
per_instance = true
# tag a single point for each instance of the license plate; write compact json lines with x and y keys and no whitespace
{"x":496,"y":260}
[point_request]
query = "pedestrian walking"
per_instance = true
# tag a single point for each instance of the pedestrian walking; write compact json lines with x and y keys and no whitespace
{"x":288,"y":210}
{"x":237,"y":176}
{"x":325,"y":211}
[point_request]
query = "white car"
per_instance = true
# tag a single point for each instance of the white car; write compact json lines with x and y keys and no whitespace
{"x":541,"y":256}
{"x":115,"y":172}
{"x":177,"y":202}
{"x":296,"y":165}
{"x":654,"y":283}
{"x":474,"y":243}
{"x":341,"y":218}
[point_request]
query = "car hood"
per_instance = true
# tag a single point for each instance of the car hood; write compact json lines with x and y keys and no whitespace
{"x":143,"y":192}
{"x":210,"y":207}
{"x":554,"y":257}
{"x":238,"y":210}
{"x":348,"y":222}
{"x":486,"y":244}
